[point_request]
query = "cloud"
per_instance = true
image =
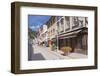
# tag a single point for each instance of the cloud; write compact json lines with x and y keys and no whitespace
{"x":32,"y":27}
{"x":35,"y":28}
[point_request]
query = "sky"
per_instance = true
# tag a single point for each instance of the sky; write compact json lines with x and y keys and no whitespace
{"x":36,"y":21}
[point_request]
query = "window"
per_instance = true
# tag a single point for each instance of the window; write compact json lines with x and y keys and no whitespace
{"x":62,"y":21}
{"x":81,"y":21}
{"x":58,"y":27}
{"x":53,"y":30}
{"x":75,"y":21}
{"x":67,"y":24}
{"x":86,"y":21}
{"x":58,"y":18}
{"x":52,"y":20}
{"x":62,"y":24}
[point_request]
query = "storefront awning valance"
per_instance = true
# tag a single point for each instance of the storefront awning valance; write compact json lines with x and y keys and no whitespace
{"x":69,"y":35}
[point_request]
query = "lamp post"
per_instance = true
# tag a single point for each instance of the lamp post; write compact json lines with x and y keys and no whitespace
{"x":57,"y":41}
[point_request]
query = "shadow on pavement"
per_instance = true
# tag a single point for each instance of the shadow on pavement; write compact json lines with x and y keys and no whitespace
{"x":32,"y":56}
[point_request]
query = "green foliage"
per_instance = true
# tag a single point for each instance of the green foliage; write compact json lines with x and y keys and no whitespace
{"x":54,"y":47}
{"x":31,"y":34}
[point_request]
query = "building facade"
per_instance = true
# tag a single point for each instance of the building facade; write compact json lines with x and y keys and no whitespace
{"x":42,"y":35}
{"x":73,"y":32}
{"x":52,"y":30}
{"x":63,"y":31}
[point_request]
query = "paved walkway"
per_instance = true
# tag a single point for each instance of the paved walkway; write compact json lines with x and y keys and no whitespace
{"x":32,"y":55}
{"x":44,"y":53}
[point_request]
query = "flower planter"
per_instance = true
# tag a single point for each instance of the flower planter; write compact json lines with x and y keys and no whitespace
{"x":66,"y":50}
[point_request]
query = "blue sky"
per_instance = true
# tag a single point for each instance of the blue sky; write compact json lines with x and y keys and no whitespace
{"x":35,"y":21}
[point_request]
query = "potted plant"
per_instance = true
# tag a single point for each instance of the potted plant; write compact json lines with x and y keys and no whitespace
{"x":66,"y":50}
{"x":53,"y":47}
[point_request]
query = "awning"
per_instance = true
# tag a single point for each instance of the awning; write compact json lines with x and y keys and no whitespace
{"x":69,"y":35}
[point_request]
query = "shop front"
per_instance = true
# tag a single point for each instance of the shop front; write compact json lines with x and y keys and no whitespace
{"x":77,"y":40}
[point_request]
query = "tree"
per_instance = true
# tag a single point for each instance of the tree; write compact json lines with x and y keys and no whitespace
{"x":31,"y":34}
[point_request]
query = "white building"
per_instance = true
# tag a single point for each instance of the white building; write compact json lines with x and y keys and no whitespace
{"x":73,"y":32}
{"x":43,"y":36}
{"x":69,"y":31}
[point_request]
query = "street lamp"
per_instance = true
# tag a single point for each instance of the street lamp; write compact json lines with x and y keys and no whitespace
{"x":57,"y":41}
